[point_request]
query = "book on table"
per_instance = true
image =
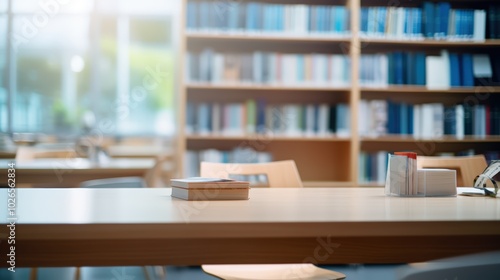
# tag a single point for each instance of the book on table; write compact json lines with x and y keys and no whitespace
{"x":200,"y":188}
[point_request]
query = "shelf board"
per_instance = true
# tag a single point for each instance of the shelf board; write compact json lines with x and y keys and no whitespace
{"x":444,"y":139}
{"x":431,"y":43}
{"x":266,"y":137}
{"x":423,"y":89}
{"x":253,"y":87}
{"x":269,"y":37}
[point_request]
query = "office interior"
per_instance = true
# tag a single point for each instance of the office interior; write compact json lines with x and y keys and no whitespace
{"x":333,"y":85}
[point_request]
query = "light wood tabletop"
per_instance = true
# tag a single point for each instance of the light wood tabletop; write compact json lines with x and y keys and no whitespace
{"x":79,"y":227}
{"x":70,"y":172}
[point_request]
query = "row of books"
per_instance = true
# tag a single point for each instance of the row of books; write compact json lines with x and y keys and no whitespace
{"x":253,"y":117}
{"x":372,"y":167}
{"x":241,"y":155}
{"x":239,"y":16}
{"x":268,"y":68}
{"x":432,"y":120}
{"x":434,"y":71}
{"x":433,"y":20}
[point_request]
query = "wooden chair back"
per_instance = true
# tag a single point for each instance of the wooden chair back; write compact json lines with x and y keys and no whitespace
{"x":467,"y":167}
{"x":280,"y":174}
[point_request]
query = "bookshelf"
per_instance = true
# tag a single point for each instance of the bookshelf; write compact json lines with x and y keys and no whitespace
{"x":332,"y":159}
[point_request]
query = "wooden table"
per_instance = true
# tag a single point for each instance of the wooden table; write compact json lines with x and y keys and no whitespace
{"x":96,"y":227}
{"x":70,"y":172}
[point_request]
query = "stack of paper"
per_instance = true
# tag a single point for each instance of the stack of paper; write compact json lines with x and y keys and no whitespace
{"x":437,"y":182}
{"x":199,"y":188}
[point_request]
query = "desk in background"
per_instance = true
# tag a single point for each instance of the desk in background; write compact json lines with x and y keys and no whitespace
{"x":110,"y":227}
{"x":69,"y":172}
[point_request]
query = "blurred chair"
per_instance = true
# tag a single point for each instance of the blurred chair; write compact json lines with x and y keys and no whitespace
{"x":467,"y":167}
{"x":280,"y":174}
{"x":484,"y":266}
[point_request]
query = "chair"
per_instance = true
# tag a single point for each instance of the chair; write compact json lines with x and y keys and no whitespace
{"x":485,"y":266}
{"x":467,"y":167}
{"x":281,"y":174}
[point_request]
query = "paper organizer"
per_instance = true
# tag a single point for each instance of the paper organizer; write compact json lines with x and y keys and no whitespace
{"x":404,"y":179}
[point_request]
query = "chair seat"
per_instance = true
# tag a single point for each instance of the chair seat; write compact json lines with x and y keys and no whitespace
{"x":271,"y":272}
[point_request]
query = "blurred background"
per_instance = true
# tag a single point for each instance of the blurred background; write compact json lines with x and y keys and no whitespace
{"x":113,"y":58}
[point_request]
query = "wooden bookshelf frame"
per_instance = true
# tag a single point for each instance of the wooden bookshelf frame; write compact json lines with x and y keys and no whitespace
{"x":341,"y":153}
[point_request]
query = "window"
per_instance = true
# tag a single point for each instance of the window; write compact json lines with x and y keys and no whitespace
{"x":3,"y":71}
{"x":112,"y":58}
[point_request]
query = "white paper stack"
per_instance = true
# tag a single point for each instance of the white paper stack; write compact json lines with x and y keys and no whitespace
{"x":437,"y":182}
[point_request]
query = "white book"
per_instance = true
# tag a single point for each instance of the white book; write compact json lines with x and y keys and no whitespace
{"x":400,"y":24}
{"x":481,"y":66}
{"x":323,"y":118}
{"x":427,"y":121}
{"x":479,"y":25}
{"x":364,"y":118}
{"x":437,"y":72}
{"x":337,"y":70}
{"x":381,"y":166}
{"x":459,"y":121}
{"x":309,"y":120}
{"x":217,"y":68}
{"x":216,"y":118}
{"x":257,"y":67}
{"x":378,"y":118}
{"x":417,"y":115}
{"x":291,"y":112}
{"x":438,"y":120}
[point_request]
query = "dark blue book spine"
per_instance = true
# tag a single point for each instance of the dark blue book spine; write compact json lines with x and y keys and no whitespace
{"x":467,"y":73}
{"x":399,"y":71}
{"x":364,"y":19}
{"x":454,"y":70}
{"x":410,"y":119}
{"x":444,"y":15}
{"x":420,"y":69}
{"x":428,"y":19}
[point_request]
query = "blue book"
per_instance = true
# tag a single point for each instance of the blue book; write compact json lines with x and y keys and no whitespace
{"x":391,"y":118}
{"x":233,"y":13}
{"x":403,"y":112}
{"x":428,"y":19}
{"x":420,"y":69}
{"x":391,"y":74}
{"x":381,"y":20}
{"x":192,"y":15}
{"x":410,"y":69}
{"x":261,"y":116}
{"x":204,"y":12}
{"x":340,"y":18}
{"x":410,"y":119}
{"x":399,"y":71}
{"x":364,"y":19}
{"x":467,"y":74}
{"x":454,"y":70}
{"x":300,"y":68}
{"x":251,"y":25}
{"x":281,"y":17}
{"x":268,"y":17}
{"x":444,"y":15}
